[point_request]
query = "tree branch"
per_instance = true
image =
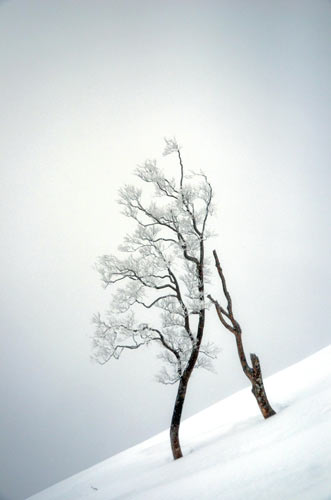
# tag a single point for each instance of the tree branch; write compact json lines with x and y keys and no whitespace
{"x":235,"y":324}
{"x":183,"y":306}
{"x":155,"y":301}
{"x":220,"y":312}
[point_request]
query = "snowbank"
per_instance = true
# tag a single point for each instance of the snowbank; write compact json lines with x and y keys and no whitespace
{"x":231,"y":453}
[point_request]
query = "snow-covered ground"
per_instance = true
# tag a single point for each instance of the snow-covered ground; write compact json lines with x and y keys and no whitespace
{"x":231,"y":453}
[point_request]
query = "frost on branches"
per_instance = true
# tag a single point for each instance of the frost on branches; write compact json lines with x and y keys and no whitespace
{"x":162,"y":268}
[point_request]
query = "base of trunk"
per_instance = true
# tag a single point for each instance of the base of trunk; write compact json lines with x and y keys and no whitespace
{"x":262,"y":400}
{"x":258,"y":388}
{"x":175,"y":444}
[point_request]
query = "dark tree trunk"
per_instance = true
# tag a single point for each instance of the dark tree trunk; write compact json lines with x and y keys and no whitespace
{"x":186,"y":375}
{"x":181,"y":393}
{"x":176,"y":419}
{"x":253,"y":373}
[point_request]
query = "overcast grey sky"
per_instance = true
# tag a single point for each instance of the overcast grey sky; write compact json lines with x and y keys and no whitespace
{"x":88,"y":90}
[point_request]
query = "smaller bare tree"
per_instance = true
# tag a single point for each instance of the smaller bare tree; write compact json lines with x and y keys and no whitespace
{"x":253,"y":373}
{"x":163,"y":270}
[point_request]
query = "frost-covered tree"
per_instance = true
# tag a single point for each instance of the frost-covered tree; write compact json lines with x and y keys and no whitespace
{"x":162,"y":269}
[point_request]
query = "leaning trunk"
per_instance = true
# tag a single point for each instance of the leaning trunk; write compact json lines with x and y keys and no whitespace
{"x":254,"y":374}
{"x":186,"y":375}
{"x":258,"y":388}
{"x":176,"y":419}
{"x":181,"y":393}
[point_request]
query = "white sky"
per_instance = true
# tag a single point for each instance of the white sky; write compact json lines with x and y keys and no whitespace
{"x":88,"y":90}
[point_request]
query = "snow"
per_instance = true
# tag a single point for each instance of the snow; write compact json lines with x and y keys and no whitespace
{"x":230,"y":451}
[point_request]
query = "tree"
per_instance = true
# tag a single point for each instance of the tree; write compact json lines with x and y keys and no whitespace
{"x":253,"y":373}
{"x":164,"y":269}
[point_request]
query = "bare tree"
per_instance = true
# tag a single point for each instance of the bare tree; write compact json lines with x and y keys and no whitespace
{"x":164,"y":270}
{"x":253,"y":372}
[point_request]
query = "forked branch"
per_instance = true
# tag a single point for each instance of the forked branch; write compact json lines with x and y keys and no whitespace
{"x":253,"y":373}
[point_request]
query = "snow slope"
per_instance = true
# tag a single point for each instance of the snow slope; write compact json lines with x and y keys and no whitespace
{"x":231,"y":453}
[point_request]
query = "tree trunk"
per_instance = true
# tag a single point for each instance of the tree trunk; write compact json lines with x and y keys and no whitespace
{"x":258,"y":388}
{"x":181,"y":393}
{"x":254,"y":374}
{"x":176,"y":418}
{"x":184,"y":379}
